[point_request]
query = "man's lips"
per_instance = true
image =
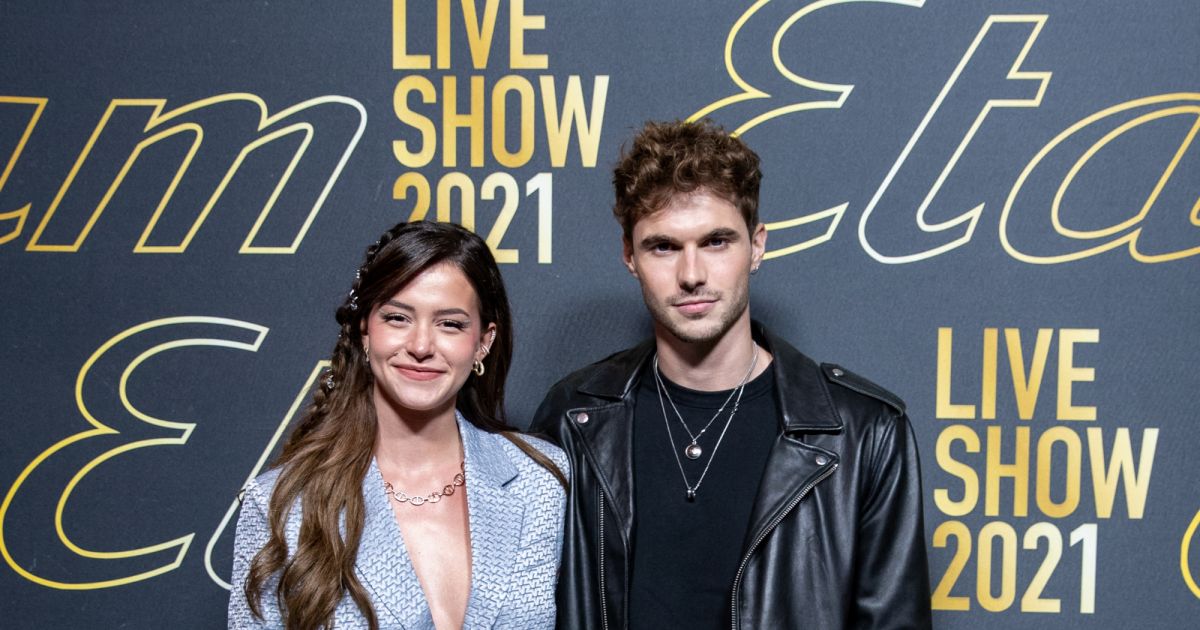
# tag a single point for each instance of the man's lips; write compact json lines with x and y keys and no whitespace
{"x":419,"y":373}
{"x":695,"y":306}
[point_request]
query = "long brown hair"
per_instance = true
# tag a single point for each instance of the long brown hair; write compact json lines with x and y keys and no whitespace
{"x":328,"y":453}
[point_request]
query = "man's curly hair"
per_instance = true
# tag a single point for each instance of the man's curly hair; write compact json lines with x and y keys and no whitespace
{"x":667,"y":159}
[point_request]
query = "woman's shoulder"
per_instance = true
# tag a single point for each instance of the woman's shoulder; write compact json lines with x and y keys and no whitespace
{"x":544,"y":446}
{"x":256,"y":502}
{"x":525,"y":464}
{"x":264,"y":483}
{"x":257,"y":492}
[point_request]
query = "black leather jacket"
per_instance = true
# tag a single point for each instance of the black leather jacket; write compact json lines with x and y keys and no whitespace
{"x":836,"y":538}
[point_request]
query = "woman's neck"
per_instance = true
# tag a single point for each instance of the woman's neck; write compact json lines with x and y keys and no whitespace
{"x":417,"y":444}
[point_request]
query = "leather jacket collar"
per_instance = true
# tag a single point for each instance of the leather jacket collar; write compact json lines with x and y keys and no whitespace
{"x":803,"y":394}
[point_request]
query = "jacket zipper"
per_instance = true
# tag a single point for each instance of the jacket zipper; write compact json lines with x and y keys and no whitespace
{"x":603,"y":598}
{"x":774,"y":522}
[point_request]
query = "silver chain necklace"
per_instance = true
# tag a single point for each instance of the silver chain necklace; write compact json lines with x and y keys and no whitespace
{"x":417,"y":500}
{"x":693,"y":450}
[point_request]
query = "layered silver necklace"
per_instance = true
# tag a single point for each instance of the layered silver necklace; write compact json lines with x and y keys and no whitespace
{"x":693,"y":450}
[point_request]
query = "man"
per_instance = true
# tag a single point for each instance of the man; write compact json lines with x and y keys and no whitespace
{"x":721,"y":477}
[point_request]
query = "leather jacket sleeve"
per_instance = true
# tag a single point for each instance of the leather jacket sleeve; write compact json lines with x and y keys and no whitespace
{"x":892,"y":563}
{"x":893,"y":574}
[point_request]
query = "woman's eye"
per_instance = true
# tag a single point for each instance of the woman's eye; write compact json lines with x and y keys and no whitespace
{"x":456,"y":325}
{"x":394,"y":318}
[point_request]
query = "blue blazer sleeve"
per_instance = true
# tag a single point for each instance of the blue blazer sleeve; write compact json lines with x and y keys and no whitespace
{"x":252,"y":535}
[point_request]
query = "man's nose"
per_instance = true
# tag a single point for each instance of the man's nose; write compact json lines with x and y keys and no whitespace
{"x":692,"y":273}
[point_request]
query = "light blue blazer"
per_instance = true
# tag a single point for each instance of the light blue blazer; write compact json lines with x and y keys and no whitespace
{"x":515,"y":510}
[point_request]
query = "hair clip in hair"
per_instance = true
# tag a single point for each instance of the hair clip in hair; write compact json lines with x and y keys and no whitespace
{"x":329,"y":382}
{"x":353,"y":296}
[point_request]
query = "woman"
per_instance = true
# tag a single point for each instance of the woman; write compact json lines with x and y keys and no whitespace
{"x":403,"y":498}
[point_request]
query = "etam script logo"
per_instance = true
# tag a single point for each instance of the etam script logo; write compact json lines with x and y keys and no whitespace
{"x":1047,"y":216}
{"x":195,"y":151}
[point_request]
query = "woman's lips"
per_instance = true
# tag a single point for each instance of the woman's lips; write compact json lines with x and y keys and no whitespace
{"x":418,"y":373}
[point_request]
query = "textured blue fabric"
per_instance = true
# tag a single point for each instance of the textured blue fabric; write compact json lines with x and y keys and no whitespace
{"x":515,"y":511}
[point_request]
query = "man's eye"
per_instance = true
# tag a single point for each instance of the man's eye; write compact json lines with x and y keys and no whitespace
{"x":661,"y":247}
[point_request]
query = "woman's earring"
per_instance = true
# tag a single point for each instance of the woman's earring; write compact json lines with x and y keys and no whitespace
{"x":478,"y":368}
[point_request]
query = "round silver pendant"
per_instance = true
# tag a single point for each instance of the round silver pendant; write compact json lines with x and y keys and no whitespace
{"x":693,"y":451}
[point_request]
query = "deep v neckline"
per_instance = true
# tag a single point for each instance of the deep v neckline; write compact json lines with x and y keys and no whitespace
{"x":494,"y":520}
{"x":429,"y":534}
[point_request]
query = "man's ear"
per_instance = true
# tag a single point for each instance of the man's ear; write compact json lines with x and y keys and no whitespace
{"x":758,"y":245}
{"x":627,"y":256}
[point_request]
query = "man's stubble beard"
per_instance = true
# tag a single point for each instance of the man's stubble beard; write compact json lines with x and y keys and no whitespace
{"x":662,"y":314}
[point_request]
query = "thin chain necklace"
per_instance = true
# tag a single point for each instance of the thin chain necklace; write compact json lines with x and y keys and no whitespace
{"x":433,"y":497}
{"x":691,"y":490}
{"x":693,"y":450}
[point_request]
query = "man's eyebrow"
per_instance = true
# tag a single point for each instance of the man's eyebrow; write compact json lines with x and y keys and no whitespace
{"x":728,"y":234}
{"x":654,"y":239}
{"x":724,"y":233}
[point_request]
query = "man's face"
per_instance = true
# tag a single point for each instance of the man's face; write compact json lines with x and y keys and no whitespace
{"x":693,"y":259}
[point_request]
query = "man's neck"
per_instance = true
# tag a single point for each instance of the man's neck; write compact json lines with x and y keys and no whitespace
{"x":710,"y":366}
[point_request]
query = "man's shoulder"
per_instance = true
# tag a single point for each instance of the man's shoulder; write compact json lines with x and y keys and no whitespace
{"x":857,"y":384}
{"x":835,"y":381}
{"x":608,"y":376}
{"x":604,"y":381}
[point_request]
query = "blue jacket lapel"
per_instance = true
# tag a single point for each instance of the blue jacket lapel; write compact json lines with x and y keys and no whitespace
{"x":384,"y":566}
{"x":495,"y":515}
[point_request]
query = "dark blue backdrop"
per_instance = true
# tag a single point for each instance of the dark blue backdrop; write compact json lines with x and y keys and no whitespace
{"x":188,"y":187}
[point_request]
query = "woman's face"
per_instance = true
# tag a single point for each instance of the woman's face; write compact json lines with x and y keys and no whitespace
{"x":422,"y":342}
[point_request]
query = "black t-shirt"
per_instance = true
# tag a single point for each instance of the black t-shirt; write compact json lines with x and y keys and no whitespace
{"x":686,"y":553}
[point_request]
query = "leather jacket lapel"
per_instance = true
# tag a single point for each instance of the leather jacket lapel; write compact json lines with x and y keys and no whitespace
{"x":793,"y":467}
{"x":605,"y":431}
{"x":801,"y":391}
{"x":606,"y":439}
